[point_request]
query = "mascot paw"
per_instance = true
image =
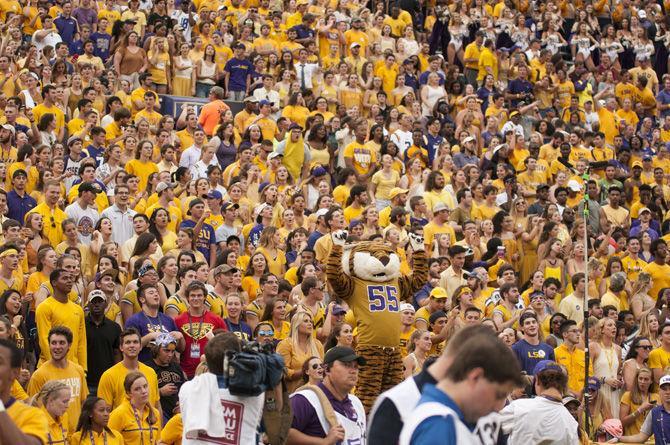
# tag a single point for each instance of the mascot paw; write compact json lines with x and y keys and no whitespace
{"x":416,"y":241}
{"x":340,"y":237}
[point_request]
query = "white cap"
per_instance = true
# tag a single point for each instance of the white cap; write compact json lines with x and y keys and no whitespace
{"x":574,"y":185}
{"x":642,"y":14}
{"x":274,"y":154}
{"x":469,"y":139}
{"x":664,"y":380}
{"x":321,"y":212}
{"x":439,"y":207}
{"x":97,"y":293}
{"x":407,"y":307}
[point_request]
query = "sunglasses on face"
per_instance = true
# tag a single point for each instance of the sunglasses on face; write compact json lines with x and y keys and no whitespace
{"x":266,"y":333}
{"x":316,"y":366}
{"x":647,"y":348}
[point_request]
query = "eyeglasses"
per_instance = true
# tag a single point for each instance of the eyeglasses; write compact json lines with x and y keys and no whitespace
{"x":647,"y":348}
{"x":266,"y":333}
{"x":316,"y":366}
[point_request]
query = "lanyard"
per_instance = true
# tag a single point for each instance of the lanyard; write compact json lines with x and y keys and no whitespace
{"x":104,"y":436}
{"x":190,"y":326}
{"x":63,"y":436}
{"x":139,"y":427}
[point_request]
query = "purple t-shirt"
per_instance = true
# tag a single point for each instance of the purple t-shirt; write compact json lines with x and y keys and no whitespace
{"x":146,"y":324}
{"x":305,"y":419}
{"x":85,"y":16}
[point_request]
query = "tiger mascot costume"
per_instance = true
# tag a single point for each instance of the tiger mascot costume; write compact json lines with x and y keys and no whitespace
{"x":367,"y":276}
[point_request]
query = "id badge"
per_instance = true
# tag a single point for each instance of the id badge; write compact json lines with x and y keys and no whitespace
{"x":195,"y":350}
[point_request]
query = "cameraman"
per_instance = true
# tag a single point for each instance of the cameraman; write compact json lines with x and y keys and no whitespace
{"x":343,"y":417}
{"x":201,"y":405}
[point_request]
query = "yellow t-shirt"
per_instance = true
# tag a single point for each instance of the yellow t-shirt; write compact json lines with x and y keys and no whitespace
{"x":52,"y":313}
{"x":660,"y":276}
{"x":172,"y":431}
{"x":29,"y":420}
{"x":659,"y":358}
{"x":363,"y":157}
{"x":73,"y":376}
{"x":142,"y":170}
{"x":111,"y":388}
{"x":124,"y":420}
{"x":431,"y":229}
{"x":41,"y":109}
{"x":175,"y":302}
{"x":111,"y":437}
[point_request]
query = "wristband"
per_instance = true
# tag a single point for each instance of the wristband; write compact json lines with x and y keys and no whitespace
{"x":2,"y":406}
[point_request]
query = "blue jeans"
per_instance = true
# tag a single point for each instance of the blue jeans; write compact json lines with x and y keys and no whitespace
{"x":202,"y":89}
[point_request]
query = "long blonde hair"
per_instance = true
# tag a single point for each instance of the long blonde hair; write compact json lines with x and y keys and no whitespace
{"x":311,"y":341}
{"x":644,"y":326}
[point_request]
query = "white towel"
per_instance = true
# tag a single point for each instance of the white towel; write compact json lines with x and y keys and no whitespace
{"x":201,"y":408}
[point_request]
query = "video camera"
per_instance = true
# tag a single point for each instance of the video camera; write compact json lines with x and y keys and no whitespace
{"x":253,"y":370}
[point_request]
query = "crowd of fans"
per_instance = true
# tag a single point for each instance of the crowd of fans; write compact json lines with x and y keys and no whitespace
{"x":526,"y":142}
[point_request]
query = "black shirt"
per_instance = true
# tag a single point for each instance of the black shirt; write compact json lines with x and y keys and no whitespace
{"x":102,"y":340}
{"x":171,"y":373}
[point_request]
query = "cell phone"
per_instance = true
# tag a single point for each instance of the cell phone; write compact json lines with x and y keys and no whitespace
{"x":653,"y":402}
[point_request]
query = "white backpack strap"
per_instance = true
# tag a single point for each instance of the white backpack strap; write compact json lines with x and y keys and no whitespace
{"x":313,"y":400}
{"x":421,"y":413}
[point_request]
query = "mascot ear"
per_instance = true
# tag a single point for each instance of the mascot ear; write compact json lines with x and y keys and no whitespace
{"x":340,"y":237}
{"x":416,"y":241}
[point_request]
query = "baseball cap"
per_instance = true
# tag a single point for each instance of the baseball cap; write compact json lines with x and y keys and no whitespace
{"x":274,"y":154}
{"x":109,"y":272}
{"x":407,"y":307}
{"x":214,"y":194}
{"x":229,"y":205}
{"x":251,"y":99}
{"x":294,"y":126}
{"x":440,"y":206}
{"x":644,"y":209}
{"x":436,"y":316}
{"x":265,"y":102}
{"x":514,"y":113}
{"x":642,"y":14}
{"x":224,"y":268}
{"x":194,"y":203}
{"x":439,"y":293}
{"x":544,"y":365}
{"x":321,"y":212}
{"x":646,"y":158}
{"x":636,"y":164}
{"x":145,"y":270}
{"x":569,"y":399}
{"x":89,"y":187}
{"x":395,"y":191}
{"x":355,"y":44}
{"x":9,"y":127}
{"x":338,"y":310}
{"x":469,"y":139}
{"x":343,"y":354}
{"x":162,"y":186}
{"x":97,"y":293}
{"x":319,"y":171}
{"x":574,"y":185}
{"x":664,"y":380}
{"x":72,"y":140}
{"x":19,"y":172}
{"x":594,"y":383}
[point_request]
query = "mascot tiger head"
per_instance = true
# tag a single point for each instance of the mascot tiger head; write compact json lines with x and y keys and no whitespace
{"x":371,"y":261}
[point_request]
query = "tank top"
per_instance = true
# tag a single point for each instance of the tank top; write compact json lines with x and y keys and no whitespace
{"x":132,"y":62}
{"x":186,"y":72}
{"x":30,"y":102}
{"x":207,"y":69}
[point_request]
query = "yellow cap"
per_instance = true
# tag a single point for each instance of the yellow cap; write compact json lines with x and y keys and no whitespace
{"x":439,"y":293}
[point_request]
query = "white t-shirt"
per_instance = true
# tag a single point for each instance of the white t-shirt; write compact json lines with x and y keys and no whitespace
{"x":86,"y":220}
{"x":402,"y":139}
{"x":539,"y":420}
